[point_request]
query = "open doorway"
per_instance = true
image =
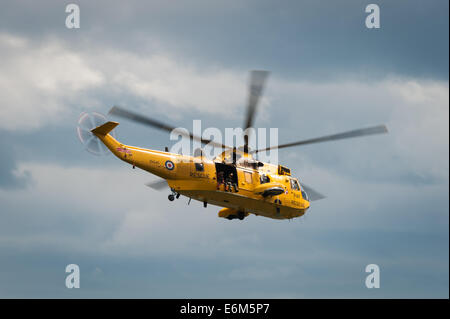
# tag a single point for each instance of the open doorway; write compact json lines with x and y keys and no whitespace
{"x":227,"y":176}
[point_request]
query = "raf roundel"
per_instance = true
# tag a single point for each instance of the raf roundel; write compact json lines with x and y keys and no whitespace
{"x":169,"y":165}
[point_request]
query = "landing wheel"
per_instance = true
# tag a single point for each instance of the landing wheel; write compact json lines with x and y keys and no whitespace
{"x":178,"y":196}
{"x":205,"y":204}
{"x":241,"y":215}
{"x":171,"y":197}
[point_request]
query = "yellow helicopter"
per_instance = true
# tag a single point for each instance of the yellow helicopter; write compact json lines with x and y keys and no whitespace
{"x":234,"y":180}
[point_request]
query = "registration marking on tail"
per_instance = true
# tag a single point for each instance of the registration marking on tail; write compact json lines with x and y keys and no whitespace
{"x":123,"y":150}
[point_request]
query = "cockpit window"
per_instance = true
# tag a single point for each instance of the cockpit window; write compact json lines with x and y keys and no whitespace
{"x":294,"y":185}
{"x":305,"y":195}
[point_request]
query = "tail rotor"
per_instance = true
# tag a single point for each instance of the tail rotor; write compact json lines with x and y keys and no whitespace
{"x":86,"y":123}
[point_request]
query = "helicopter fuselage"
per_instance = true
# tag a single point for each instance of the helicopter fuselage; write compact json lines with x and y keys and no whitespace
{"x":242,"y":187}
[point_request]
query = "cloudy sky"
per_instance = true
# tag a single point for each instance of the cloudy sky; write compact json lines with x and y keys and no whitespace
{"x":387,"y":196}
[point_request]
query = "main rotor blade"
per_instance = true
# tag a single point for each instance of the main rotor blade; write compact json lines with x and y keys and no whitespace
{"x":120,"y":112}
{"x":158,"y":185}
{"x":256,"y":87}
{"x":313,"y":195}
{"x":380,"y":129}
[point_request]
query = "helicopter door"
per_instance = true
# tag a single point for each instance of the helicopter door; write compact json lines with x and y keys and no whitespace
{"x":246,"y":179}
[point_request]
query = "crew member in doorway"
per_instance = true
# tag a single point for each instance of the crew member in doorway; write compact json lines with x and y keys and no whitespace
{"x":220,"y":180}
{"x":231,"y":183}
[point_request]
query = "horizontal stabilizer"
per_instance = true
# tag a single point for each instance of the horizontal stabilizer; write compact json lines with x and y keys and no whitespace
{"x":158,"y":185}
{"x":105,"y":128}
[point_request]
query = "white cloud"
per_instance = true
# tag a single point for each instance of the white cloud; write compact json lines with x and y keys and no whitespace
{"x":420,"y":122}
{"x":48,"y":81}
{"x":160,"y":78}
{"x":38,"y":81}
{"x":41,"y":82}
{"x":415,"y":111}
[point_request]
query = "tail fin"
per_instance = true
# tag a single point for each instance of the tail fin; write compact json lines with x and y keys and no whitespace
{"x":104,"y":128}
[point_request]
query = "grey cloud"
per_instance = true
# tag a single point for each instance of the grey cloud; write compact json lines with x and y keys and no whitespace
{"x":8,"y":165}
{"x":320,"y":255}
{"x":309,"y":39}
